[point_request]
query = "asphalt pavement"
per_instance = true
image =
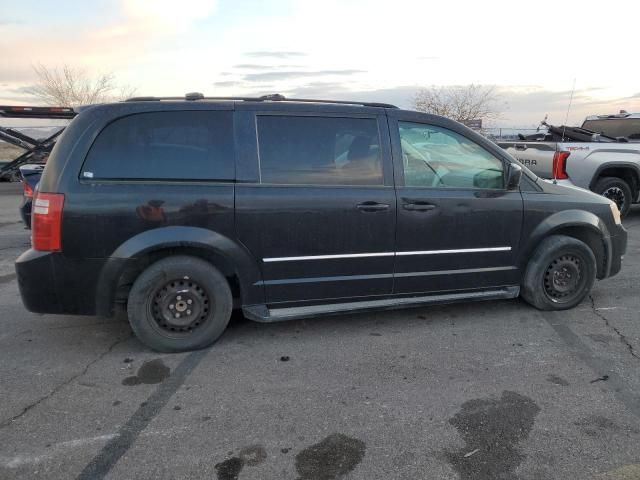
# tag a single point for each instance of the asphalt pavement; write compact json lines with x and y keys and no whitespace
{"x":482,"y":391}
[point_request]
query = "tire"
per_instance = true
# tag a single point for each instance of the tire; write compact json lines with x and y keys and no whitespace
{"x":560,"y":274}
{"x":179,"y":303}
{"x":615,"y":189}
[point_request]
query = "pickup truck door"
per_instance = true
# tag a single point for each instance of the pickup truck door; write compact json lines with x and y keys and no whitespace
{"x":458,"y":227}
{"x":536,"y":156}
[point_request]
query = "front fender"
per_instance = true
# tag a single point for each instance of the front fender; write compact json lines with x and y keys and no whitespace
{"x":244,"y":265}
{"x":567,"y":219}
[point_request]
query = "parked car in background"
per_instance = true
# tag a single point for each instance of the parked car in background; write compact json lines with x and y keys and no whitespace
{"x":30,"y":175}
{"x":182,"y":210}
{"x":29,"y":149}
{"x":602,"y":156}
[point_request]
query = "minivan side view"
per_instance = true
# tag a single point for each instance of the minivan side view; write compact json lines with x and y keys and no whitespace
{"x":182,"y":209}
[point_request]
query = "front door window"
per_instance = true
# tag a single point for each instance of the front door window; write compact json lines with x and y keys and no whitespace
{"x":439,"y":158}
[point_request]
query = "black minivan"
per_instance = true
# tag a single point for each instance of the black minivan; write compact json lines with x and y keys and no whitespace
{"x":181,"y":209}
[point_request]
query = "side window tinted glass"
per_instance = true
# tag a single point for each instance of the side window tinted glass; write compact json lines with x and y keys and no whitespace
{"x":194,"y":145}
{"x":319,"y":150}
{"x":440,"y":158}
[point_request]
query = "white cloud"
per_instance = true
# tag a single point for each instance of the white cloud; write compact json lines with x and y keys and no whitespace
{"x":168,"y":13}
{"x":156,"y":46}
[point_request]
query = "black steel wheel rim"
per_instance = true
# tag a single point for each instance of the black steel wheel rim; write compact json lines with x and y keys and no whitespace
{"x":617,"y":195}
{"x":179,"y":307}
{"x":564,"y":278}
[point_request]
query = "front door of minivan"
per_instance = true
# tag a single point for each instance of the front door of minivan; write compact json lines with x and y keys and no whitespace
{"x":318,"y":212}
{"x":458,"y":227}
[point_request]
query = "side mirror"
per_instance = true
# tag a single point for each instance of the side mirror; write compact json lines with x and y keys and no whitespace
{"x":514,"y":174}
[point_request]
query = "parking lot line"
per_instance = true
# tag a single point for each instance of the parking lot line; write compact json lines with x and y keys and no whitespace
{"x":109,"y":455}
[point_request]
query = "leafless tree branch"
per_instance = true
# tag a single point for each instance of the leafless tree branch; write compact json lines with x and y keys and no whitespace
{"x":460,"y":103}
{"x":71,"y":86}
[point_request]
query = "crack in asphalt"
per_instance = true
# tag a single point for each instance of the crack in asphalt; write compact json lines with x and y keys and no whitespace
{"x":621,"y":336}
{"x":9,"y":421}
{"x":600,"y":366}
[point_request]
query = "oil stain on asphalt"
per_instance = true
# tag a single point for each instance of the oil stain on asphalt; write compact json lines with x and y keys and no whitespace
{"x":331,"y":458}
{"x":492,"y":429}
{"x":149,"y":373}
{"x":230,"y":469}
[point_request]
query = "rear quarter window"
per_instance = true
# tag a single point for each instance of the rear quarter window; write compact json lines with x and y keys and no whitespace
{"x":194,"y":145}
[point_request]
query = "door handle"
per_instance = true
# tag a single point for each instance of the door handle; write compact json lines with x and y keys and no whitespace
{"x":372,"y":206}
{"x":419,"y":206}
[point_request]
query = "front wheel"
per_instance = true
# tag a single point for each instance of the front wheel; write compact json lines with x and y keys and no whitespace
{"x":179,"y":303}
{"x":560,"y":274}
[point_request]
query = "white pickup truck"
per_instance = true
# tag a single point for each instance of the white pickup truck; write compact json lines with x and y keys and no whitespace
{"x":603,"y":156}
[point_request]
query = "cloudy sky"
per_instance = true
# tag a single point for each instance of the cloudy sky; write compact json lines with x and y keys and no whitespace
{"x":342,"y":49}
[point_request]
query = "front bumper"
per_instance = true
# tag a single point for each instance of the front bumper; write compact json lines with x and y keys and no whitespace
{"x":618,"y":250}
{"x":49,"y":282}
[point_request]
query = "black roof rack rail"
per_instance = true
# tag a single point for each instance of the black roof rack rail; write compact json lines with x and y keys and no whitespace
{"x":15,"y":111}
{"x":152,"y":99}
{"x":340,"y":102}
{"x":276,"y":97}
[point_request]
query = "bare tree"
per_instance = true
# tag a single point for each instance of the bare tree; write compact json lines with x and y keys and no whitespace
{"x":460,"y":103}
{"x":70,"y":86}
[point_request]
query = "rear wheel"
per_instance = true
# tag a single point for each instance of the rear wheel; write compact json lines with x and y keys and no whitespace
{"x":179,"y":303}
{"x":617,"y":190}
{"x":560,"y":274}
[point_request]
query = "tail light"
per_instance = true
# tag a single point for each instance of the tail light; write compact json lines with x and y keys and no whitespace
{"x":27,"y":190}
{"x":560,"y":165}
{"x":46,"y":222}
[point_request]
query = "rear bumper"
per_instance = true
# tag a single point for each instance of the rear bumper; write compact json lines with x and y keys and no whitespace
{"x":52,"y":283}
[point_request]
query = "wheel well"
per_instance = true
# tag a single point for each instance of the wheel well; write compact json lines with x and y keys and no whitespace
{"x":627,"y":174}
{"x":131,"y":272}
{"x":593,"y":240}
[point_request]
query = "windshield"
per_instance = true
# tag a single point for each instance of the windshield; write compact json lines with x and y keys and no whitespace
{"x":615,"y":127}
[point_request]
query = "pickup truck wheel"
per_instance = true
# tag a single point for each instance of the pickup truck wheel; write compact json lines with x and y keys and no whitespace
{"x":179,"y":303}
{"x":615,"y":189}
{"x":560,"y":274}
